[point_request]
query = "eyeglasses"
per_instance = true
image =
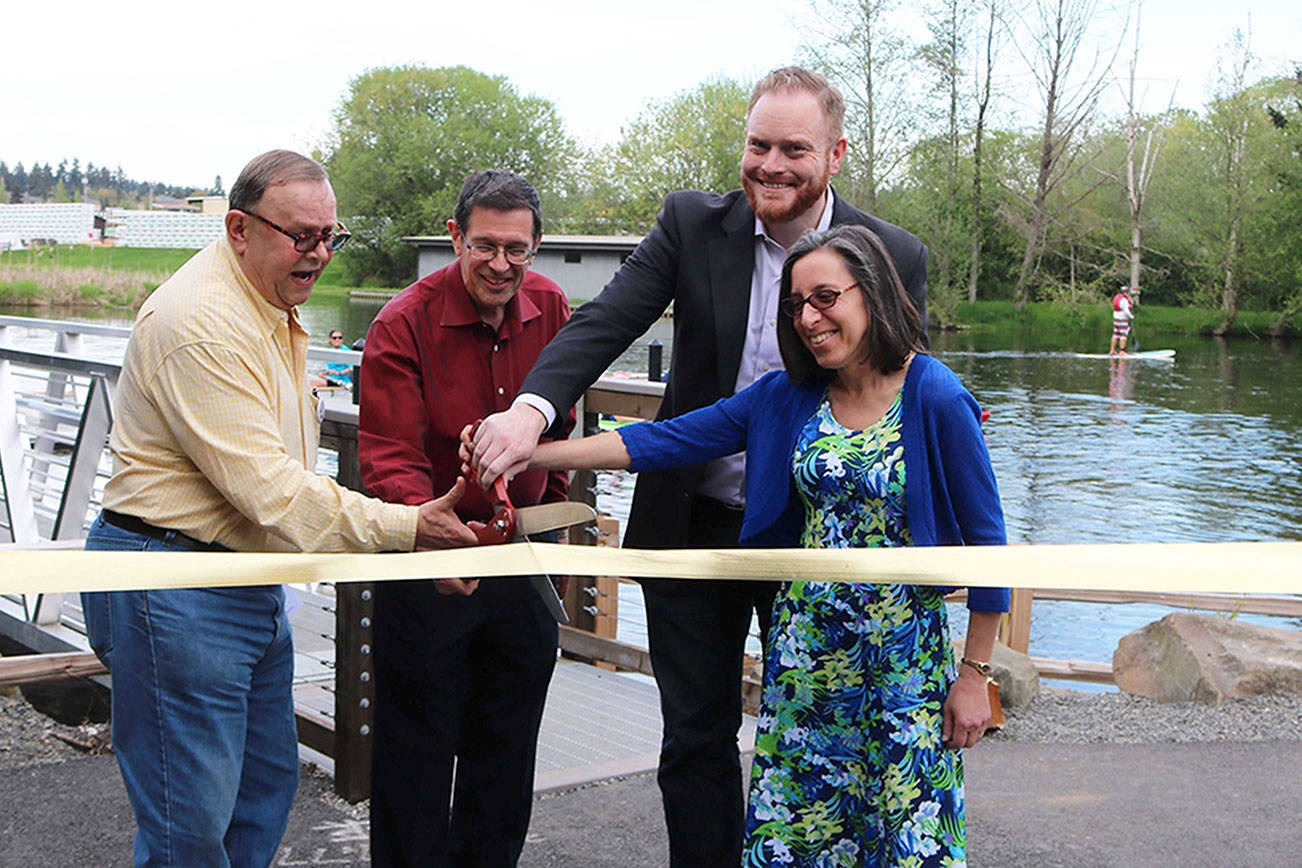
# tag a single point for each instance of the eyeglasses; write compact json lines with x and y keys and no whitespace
{"x":819,"y":299}
{"x":336,"y":337}
{"x":306,"y":242}
{"x":514,"y":255}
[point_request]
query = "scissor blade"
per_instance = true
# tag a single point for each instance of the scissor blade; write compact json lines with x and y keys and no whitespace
{"x":551,"y":516}
{"x":543,"y":585}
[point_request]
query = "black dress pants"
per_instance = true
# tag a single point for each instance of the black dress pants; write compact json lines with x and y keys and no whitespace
{"x":459,"y":678}
{"x":697,"y":633}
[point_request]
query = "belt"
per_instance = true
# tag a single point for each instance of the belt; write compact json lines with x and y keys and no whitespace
{"x":144,"y":528}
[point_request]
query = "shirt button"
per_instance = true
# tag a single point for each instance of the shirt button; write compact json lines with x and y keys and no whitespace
{"x":495,"y":347}
{"x":500,"y":390}
{"x":773,"y":322}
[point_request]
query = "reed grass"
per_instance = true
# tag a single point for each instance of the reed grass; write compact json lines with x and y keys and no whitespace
{"x":84,"y":286}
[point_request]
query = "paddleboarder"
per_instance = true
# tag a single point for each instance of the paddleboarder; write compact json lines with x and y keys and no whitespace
{"x":1121,"y":317}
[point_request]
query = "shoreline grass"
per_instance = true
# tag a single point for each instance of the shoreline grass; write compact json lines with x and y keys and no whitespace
{"x":84,"y":276}
{"x":1057,"y":317}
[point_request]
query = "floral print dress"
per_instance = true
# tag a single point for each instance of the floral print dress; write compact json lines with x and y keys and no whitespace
{"x":849,"y":766}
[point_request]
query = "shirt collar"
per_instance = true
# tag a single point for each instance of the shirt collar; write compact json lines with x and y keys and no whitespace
{"x":458,"y":310}
{"x":824,"y":219}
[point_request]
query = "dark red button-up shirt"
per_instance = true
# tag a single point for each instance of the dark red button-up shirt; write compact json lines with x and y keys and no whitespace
{"x":430,"y":367}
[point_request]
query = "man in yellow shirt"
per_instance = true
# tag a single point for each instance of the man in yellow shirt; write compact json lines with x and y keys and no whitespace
{"x":214,"y":444}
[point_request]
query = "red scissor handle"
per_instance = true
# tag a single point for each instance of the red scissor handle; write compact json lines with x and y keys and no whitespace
{"x":501,"y":527}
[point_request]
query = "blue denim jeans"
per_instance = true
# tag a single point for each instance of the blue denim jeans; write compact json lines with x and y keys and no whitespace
{"x":203,"y":716}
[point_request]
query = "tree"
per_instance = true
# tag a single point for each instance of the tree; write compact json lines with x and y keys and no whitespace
{"x":217,"y":188}
{"x":19,"y":183}
{"x":1137,"y":181}
{"x":983,"y":79}
{"x":691,"y":141}
{"x":404,"y":140}
{"x":944,"y":55}
{"x":1285,"y":113}
{"x":74,"y":179}
{"x":1055,"y":34}
{"x":1230,"y":117}
{"x":854,"y":45}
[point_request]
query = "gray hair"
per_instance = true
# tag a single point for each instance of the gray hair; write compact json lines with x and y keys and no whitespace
{"x":270,"y":170}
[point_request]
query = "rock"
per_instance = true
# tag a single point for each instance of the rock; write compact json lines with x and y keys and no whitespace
{"x":1019,"y":680}
{"x":1207,"y":658}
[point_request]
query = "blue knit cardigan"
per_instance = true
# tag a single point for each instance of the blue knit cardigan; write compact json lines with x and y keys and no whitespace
{"x":950,"y":493}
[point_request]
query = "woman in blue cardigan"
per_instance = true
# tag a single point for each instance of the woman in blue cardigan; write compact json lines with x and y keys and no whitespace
{"x":863,"y":441}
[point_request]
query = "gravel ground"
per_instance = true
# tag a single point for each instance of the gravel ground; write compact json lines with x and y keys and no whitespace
{"x":28,"y":737}
{"x":1058,"y":716}
{"x":1072,"y":717}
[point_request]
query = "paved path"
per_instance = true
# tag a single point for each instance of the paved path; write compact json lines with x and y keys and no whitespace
{"x":1033,"y":805}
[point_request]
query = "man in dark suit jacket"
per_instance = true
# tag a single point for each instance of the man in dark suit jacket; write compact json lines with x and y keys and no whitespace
{"x":717,"y":259}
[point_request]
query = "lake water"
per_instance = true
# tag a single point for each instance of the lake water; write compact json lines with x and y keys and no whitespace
{"x":1205,"y":448}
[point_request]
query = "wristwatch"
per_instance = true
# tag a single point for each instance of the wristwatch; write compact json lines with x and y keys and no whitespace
{"x":984,"y":668}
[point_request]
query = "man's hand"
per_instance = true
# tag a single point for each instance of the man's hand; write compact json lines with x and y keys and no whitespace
{"x":438,"y":526}
{"x":505,"y":442}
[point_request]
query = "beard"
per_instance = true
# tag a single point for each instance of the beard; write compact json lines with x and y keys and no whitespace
{"x":806,"y":195}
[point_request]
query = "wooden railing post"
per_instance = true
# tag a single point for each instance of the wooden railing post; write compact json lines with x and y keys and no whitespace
{"x":583,"y":488}
{"x":354,"y":672}
{"x":1015,"y":626}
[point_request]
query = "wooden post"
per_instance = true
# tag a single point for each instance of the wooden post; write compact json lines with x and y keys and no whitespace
{"x":603,"y":591}
{"x":354,"y":689}
{"x":354,"y":672}
{"x":606,"y":600}
{"x":1015,"y":626}
{"x":583,"y":488}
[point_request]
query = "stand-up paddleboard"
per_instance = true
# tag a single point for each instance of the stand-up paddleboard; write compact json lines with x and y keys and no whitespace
{"x":1147,"y":355}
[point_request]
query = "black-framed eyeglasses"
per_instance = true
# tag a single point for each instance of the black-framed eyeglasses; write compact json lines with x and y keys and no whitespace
{"x":819,"y":299}
{"x":306,"y":242}
{"x":336,"y":337}
{"x":514,"y":255}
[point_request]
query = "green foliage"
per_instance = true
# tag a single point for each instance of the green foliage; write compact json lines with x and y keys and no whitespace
{"x":160,"y":261}
{"x":1154,"y":320}
{"x":404,"y":140}
{"x":691,"y":141}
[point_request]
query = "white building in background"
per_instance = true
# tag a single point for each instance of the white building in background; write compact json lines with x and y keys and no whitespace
{"x":48,"y":222}
{"x":85,"y":223}
{"x":581,"y":264}
{"x":176,"y":229}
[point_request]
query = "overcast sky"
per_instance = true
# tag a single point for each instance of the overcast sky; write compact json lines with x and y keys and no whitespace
{"x":182,"y":92}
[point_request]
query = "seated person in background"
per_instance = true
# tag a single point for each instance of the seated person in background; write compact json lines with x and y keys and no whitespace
{"x":335,"y":373}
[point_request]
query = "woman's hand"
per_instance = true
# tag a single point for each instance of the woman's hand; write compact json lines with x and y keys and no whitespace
{"x":967,"y":710}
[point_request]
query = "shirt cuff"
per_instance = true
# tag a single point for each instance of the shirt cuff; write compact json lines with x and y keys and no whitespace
{"x":399,"y":524}
{"x":539,"y":403}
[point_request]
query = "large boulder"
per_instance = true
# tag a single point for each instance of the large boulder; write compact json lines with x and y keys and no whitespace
{"x":1018,"y":679}
{"x":1207,"y":658}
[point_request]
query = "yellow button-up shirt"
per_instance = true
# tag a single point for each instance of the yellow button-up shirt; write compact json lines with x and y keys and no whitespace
{"x":215,"y":430}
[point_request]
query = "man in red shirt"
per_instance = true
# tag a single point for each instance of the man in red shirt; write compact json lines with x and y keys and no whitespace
{"x":461,"y":669}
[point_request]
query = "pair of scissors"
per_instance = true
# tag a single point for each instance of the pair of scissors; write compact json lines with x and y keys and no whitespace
{"x":511,"y":524}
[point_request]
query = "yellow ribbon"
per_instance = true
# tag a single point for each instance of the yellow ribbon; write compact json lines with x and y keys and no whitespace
{"x":1256,"y":568}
